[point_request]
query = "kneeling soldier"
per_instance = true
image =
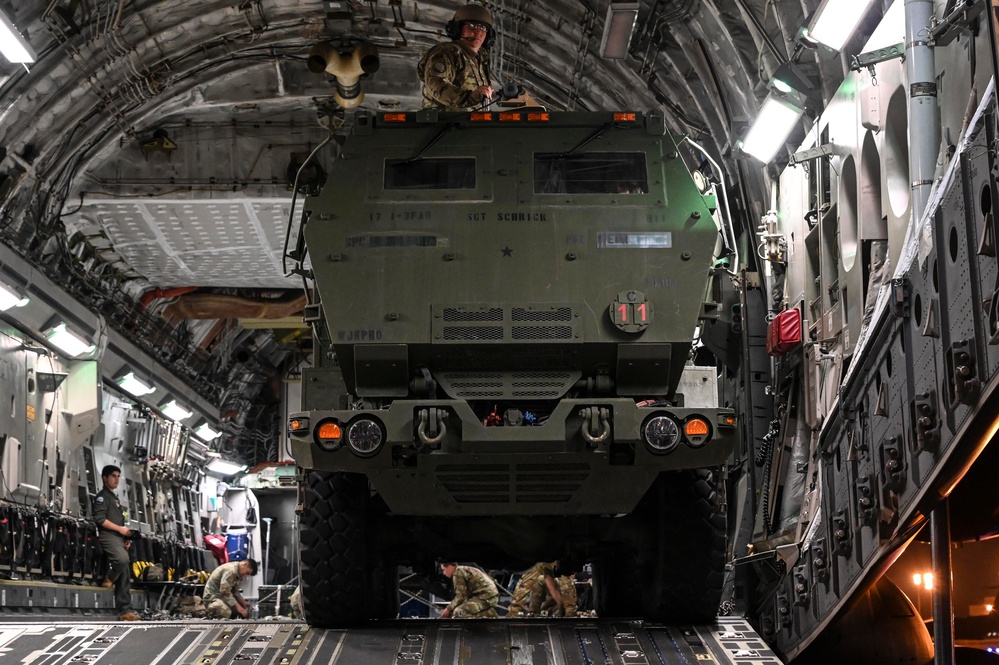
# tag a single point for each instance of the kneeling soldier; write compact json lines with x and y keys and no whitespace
{"x":222,"y":596}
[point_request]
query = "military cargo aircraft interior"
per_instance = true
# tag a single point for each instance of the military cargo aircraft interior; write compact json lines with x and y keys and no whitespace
{"x":583,"y":331}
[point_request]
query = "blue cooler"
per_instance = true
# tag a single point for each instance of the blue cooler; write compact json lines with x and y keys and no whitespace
{"x":237,"y":544}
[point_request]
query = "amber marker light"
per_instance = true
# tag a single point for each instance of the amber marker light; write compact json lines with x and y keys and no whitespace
{"x":329,"y":435}
{"x":394,"y":117}
{"x":330,"y":431}
{"x":624,"y":117}
{"x":509,"y":117}
{"x":695,"y":427}
{"x":298,"y":425}
{"x":481,"y":117}
{"x":727,"y":421}
{"x":696,"y":432}
{"x":538,"y":117}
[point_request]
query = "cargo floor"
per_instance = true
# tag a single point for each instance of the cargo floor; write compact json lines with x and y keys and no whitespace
{"x":414,"y":642}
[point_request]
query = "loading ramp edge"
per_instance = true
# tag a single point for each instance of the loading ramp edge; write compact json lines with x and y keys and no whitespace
{"x":730,"y":640}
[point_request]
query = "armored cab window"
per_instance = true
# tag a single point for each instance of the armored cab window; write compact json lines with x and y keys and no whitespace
{"x":423,"y":173}
{"x":590,"y":173}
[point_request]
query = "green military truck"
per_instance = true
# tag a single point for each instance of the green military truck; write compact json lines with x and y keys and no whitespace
{"x":503,"y":306}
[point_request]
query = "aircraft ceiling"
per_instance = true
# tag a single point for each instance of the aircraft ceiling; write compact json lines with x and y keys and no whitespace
{"x":147,"y":153}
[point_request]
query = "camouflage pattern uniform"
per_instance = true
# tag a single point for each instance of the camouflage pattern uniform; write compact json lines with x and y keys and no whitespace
{"x":450,"y":73}
{"x":222,"y":590}
{"x":297,"y":608}
{"x":530,"y":590}
{"x":566,"y":587}
{"x":475,"y":594}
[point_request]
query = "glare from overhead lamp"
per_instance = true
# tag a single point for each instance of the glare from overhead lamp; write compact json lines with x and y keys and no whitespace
{"x":618,"y":28}
{"x":223,"y":467}
{"x":205,"y":432}
{"x":789,"y":80}
{"x":175,"y":411}
{"x":773,"y":125}
{"x":134,"y":386}
{"x":9,"y":297}
{"x":68,"y":341}
{"x":781,"y":85}
{"x":835,"y":22}
{"x":13,"y":46}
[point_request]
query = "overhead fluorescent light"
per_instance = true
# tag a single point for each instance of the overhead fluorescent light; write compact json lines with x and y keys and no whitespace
{"x":225,"y":467}
{"x":835,"y":22}
{"x":175,"y":411}
{"x":618,"y":28}
{"x":13,"y":46}
{"x":68,"y":342}
{"x":205,"y":432}
{"x":776,"y":120}
{"x":134,"y":386}
{"x":9,"y":297}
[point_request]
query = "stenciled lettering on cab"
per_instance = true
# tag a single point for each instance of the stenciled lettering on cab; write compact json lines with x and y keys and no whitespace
{"x":359,"y":335}
{"x":521,"y":217}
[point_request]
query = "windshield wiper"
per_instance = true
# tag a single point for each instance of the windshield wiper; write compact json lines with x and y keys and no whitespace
{"x":437,"y":137}
{"x":592,"y":137}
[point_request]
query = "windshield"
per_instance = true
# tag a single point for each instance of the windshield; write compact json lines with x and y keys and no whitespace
{"x":590,"y":173}
{"x":430,"y":173}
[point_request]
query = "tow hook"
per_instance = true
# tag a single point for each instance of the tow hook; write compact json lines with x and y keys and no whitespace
{"x":432,"y":428}
{"x":596,"y":424}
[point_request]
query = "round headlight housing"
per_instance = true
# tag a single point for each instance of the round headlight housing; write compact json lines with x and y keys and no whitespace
{"x":696,"y":431}
{"x":661,"y":434}
{"x":365,"y":437}
{"x":329,"y":435}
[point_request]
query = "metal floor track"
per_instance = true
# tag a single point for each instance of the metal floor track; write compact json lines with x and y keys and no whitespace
{"x":415,"y":642}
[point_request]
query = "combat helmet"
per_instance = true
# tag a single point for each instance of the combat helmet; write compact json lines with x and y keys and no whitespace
{"x":471,"y":14}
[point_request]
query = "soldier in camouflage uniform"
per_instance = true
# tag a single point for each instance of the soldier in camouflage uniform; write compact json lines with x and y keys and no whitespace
{"x":475,"y":593}
{"x":567,"y":587}
{"x":530,"y":590}
{"x":222,"y":594}
{"x":455,"y":74}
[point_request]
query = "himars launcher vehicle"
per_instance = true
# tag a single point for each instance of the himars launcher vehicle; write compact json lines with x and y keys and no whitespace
{"x":505,"y":307}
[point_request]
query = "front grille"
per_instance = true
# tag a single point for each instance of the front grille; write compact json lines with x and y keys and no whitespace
{"x":556,"y":314}
{"x":452,"y":314}
{"x":494,"y":322}
{"x":500,"y":385}
{"x":466,"y":468}
{"x":542,"y":332}
{"x":519,"y":483}
{"x":472,"y":333}
{"x":546,"y":498}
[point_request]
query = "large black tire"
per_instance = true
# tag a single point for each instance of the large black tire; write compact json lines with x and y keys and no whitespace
{"x":676,"y":574}
{"x":617,"y":585}
{"x":685,"y":570}
{"x":344,"y":581}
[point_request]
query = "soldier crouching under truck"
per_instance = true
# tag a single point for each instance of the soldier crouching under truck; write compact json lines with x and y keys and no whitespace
{"x":503,"y":306}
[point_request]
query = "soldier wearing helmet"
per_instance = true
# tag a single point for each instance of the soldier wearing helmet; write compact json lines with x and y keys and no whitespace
{"x":455,"y":74}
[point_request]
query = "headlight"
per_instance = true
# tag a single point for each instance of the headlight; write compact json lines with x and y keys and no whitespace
{"x":661,"y":434}
{"x":329,"y":435}
{"x":365,"y":437}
